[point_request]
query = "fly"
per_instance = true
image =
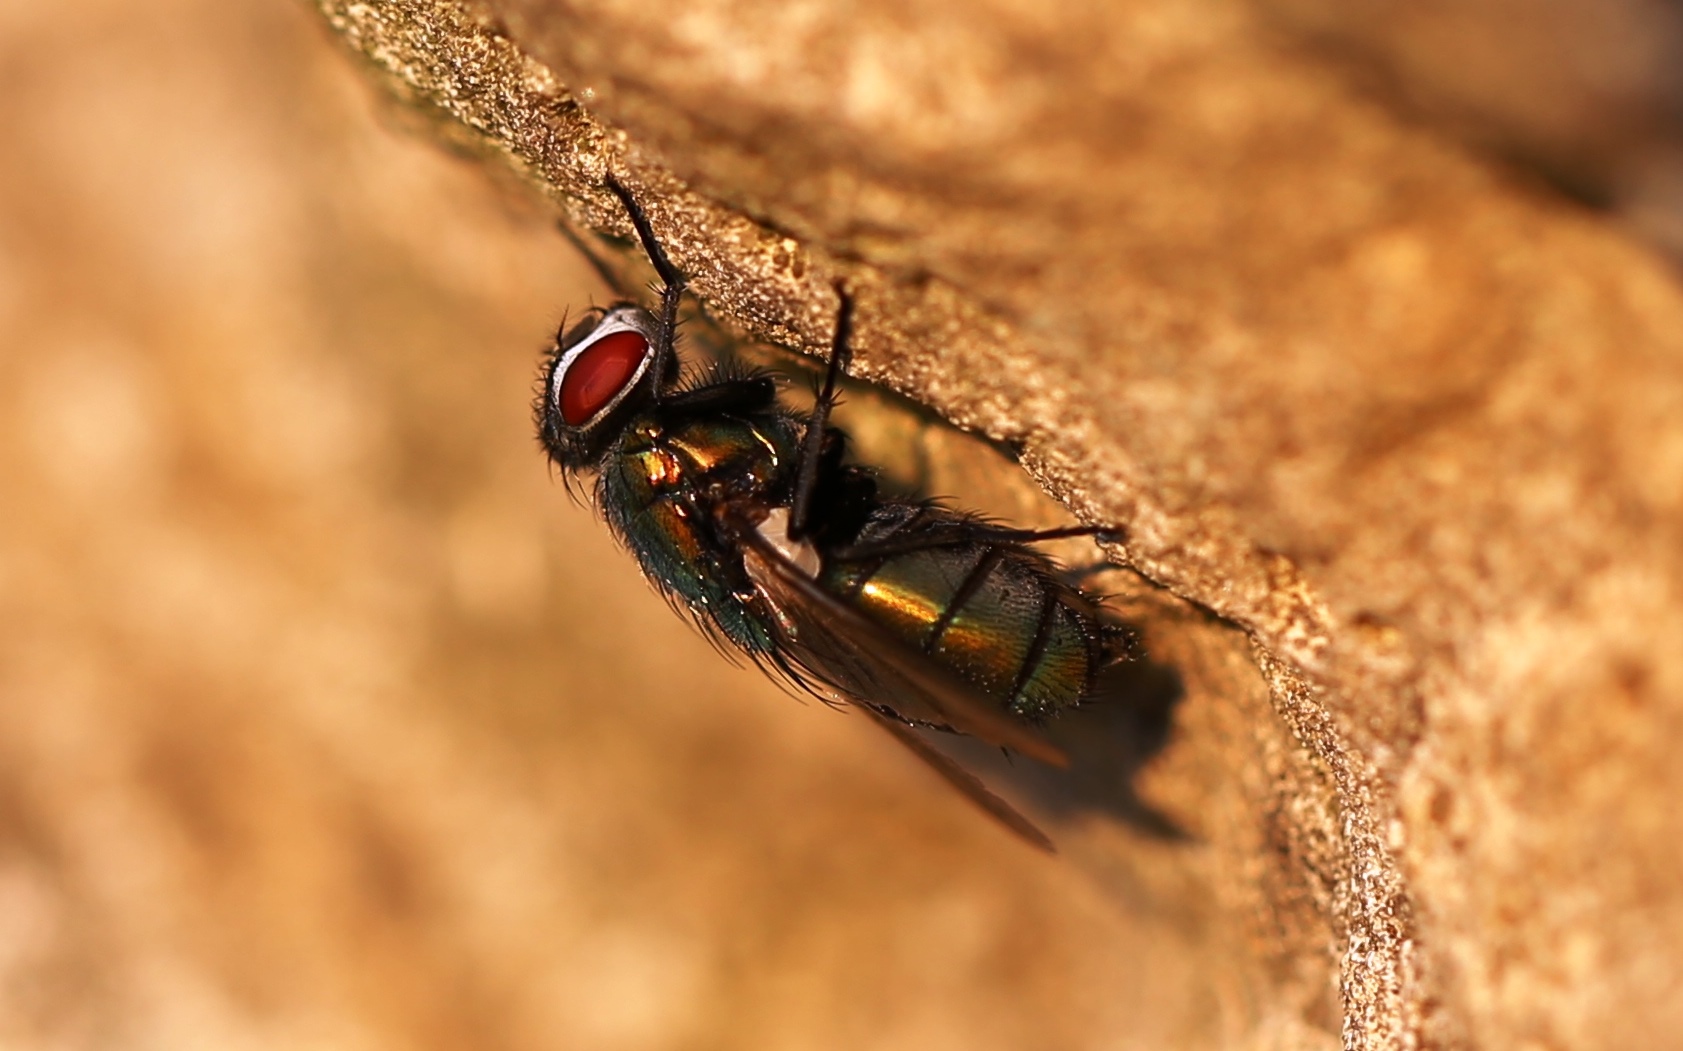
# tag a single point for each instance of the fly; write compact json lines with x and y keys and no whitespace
{"x":746,"y":516}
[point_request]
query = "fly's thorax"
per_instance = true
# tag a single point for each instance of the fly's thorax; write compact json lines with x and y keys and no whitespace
{"x":660,"y":486}
{"x":657,"y":501}
{"x":742,"y":458}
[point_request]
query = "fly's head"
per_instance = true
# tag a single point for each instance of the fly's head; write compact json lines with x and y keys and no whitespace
{"x":600,"y":374}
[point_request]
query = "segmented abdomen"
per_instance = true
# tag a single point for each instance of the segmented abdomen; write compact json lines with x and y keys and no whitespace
{"x":995,"y":613}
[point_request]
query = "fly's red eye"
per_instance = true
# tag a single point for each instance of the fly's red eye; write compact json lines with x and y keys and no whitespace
{"x":598,"y":374}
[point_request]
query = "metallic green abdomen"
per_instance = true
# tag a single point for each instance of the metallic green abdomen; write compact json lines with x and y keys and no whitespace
{"x":989,"y":612}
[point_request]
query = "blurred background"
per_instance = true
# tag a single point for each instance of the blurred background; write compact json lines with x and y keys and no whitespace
{"x":326,"y":720}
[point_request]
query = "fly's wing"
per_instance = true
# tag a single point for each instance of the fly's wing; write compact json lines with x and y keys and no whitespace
{"x":836,"y":644}
{"x":963,"y":780}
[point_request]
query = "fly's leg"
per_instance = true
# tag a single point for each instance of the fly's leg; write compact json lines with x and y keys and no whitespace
{"x":979,"y":532}
{"x":1083,"y":576}
{"x":672,"y":282}
{"x":597,"y":260}
{"x":817,"y":428}
{"x":1105,"y":534}
{"x":741,"y":395}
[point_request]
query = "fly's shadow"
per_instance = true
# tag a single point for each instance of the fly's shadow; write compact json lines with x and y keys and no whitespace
{"x":1108,"y":740}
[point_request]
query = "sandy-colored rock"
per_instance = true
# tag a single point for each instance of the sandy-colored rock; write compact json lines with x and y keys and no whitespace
{"x":1406,"y":420}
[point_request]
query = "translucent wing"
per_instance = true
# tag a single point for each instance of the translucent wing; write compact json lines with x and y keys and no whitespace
{"x":963,"y":780}
{"x":824,"y":641}
{"x":840,"y":646}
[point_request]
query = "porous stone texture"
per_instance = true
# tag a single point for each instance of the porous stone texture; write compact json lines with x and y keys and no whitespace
{"x":1406,"y":424}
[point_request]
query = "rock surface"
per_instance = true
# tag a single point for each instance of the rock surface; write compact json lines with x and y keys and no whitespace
{"x":1407,"y":421}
